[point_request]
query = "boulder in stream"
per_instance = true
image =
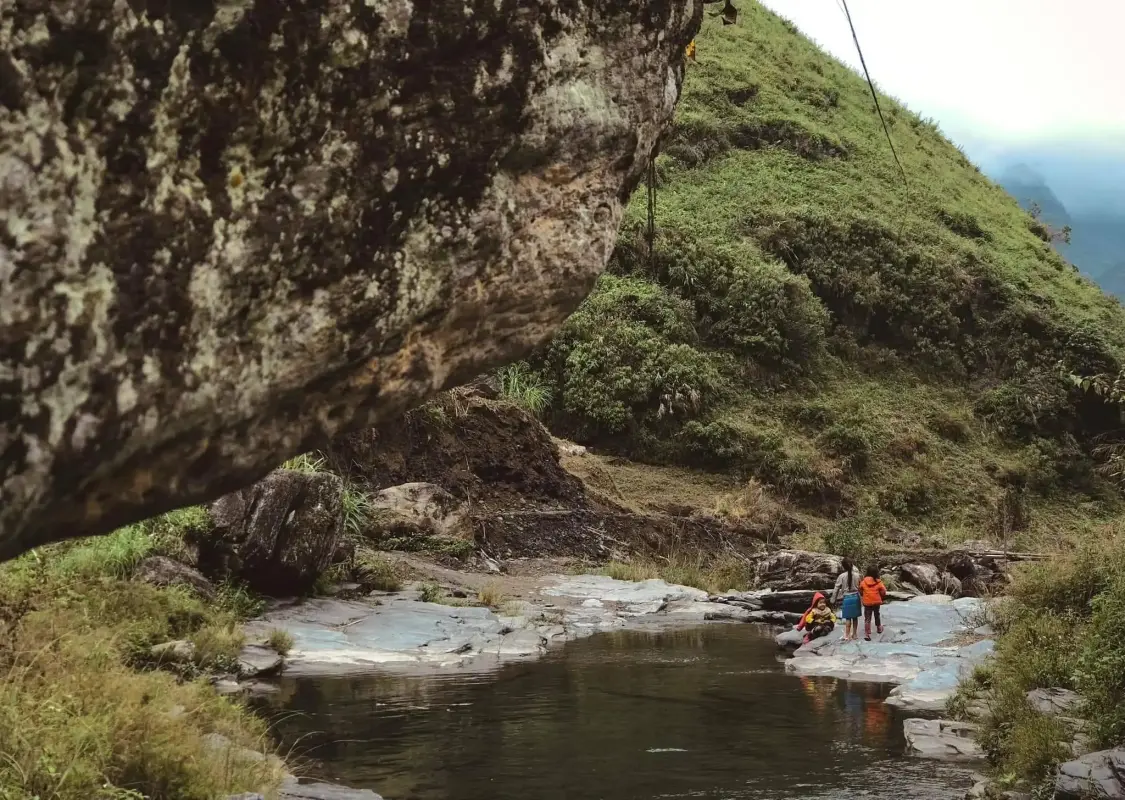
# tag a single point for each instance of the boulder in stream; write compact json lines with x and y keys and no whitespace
{"x":942,"y":740}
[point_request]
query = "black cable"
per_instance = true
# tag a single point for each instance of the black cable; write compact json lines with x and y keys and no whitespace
{"x":874,"y":94}
{"x":651,"y":232}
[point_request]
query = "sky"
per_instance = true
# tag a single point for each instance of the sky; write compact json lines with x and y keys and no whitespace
{"x":994,"y":73}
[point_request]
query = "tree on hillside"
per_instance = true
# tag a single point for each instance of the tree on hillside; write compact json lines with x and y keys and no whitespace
{"x":1044,"y":229}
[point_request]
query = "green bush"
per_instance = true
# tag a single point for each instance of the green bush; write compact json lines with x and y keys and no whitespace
{"x":855,"y":536}
{"x":628,"y":356}
{"x":1039,"y":404}
{"x":522,"y":385}
{"x":1100,"y":673}
{"x":851,"y":442}
{"x":911,"y":494}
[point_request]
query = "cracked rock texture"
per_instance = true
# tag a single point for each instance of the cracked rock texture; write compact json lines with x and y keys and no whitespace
{"x":230,"y":229}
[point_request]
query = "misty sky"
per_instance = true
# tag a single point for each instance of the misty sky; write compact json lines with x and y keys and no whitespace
{"x":990,"y":71}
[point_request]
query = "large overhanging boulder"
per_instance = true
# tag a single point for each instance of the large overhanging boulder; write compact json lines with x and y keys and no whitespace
{"x":230,"y":230}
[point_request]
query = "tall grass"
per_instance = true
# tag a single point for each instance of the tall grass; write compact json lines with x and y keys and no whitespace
{"x":710,"y":573}
{"x":82,"y":712}
{"x":522,"y":385}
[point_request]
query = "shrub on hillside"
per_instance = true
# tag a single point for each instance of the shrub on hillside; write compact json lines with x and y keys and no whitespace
{"x":629,"y":355}
{"x":1036,"y":404}
{"x":1100,"y":672}
{"x":851,"y":442}
{"x":910,"y":494}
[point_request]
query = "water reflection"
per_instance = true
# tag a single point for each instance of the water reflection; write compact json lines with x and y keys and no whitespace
{"x":706,"y":712}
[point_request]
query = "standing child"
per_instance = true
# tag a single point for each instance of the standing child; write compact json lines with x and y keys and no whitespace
{"x":872,"y":591}
{"x":846,"y":596}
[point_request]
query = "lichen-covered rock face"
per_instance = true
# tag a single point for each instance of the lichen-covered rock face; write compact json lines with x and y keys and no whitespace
{"x":276,"y":536}
{"x":230,"y":229}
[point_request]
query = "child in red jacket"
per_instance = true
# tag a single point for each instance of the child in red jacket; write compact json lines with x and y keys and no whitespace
{"x":872,"y":592}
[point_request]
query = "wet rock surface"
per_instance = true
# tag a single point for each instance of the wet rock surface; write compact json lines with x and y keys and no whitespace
{"x":237,"y":230}
{"x":400,"y":632}
{"x":918,"y":650}
{"x":278,"y":535}
{"x":941,"y":739}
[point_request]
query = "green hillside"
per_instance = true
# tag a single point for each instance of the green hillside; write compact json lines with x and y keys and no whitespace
{"x":874,"y":351}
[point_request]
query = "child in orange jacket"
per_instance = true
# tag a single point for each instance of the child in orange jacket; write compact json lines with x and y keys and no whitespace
{"x":872,"y":592}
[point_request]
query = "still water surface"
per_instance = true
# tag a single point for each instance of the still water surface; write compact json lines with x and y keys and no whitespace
{"x":701,"y":713}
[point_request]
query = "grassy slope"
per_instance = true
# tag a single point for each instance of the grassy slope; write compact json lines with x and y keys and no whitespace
{"x":857,"y":343}
{"x":83,"y":712}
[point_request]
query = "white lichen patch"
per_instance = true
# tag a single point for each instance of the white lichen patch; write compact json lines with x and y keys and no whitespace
{"x":245,"y":179}
{"x":228,"y":13}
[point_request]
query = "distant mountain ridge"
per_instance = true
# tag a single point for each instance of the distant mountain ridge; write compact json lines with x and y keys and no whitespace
{"x":1097,"y":242}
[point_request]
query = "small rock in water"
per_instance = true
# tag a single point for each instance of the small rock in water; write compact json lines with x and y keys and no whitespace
{"x":941,"y":739}
{"x":295,"y":789}
{"x":257,"y":660}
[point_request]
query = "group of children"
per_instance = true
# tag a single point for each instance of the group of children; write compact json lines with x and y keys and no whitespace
{"x":851,"y":593}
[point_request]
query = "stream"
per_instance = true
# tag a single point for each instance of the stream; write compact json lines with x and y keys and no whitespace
{"x":703,"y":712}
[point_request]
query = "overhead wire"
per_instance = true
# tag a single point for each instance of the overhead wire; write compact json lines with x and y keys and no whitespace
{"x":871,"y":86}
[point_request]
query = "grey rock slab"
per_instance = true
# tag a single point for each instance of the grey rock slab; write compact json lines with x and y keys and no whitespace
{"x":297,"y":789}
{"x":941,"y":739}
{"x":259,"y":661}
{"x":909,"y":652}
{"x":1092,"y":777}
{"x":1054,"y":702}
{"x":331,"y":636}
{"x":636,"y":596}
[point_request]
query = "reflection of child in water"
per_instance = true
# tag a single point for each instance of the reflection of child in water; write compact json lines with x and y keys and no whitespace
{"x":819,"y":620}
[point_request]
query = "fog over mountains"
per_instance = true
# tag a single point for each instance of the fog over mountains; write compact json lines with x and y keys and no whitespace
{"x":1080,"y":184}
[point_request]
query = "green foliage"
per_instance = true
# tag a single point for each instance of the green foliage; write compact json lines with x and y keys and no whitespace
{"x":1063,"y":626}
{"x":430,"y":593}
{"x":357,"y":510}
{"x":809,"y":319}
{"x":1100,"y":672}
{"x":911,"y":494}
{"x":281,"y":641}
{"x":855,"y":537}
{"x":522,"y":385}
{"x":306,"y":462}
{"x":851,"y":442}
{"x":375,"y":572}
{"x":77,"y":720}
{"x":629,"y":355}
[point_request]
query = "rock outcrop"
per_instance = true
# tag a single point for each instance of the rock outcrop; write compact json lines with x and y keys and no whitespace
{"x":1097,"y":775}
{"x":231,"y":231}
{"x":163,"y":571}
{"x":278,"y":535}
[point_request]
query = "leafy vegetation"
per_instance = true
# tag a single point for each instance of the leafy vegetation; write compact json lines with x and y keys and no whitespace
{"x":1062,"y":626}
{"x":854,"y":343}
{"x":82,"y":712}
{"x":523,"y":386}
